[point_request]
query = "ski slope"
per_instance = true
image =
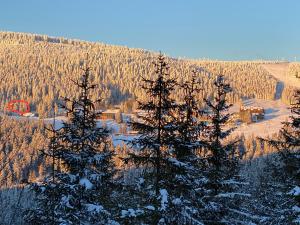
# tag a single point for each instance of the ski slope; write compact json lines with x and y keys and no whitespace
{"x":280,"y":72}
{"x":276,"y":111}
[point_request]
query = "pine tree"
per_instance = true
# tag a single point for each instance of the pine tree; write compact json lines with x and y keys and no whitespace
{"x":222,"y":160}
{"x":80,"y":189}
{"x":47,"y":191}
{"x":188,"y":125}
{"x":184,"y":162}
{"x":285,"y":169}
{"x":155,"y":139}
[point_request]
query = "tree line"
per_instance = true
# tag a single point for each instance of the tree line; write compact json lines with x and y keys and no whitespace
{"x":39,"y":69}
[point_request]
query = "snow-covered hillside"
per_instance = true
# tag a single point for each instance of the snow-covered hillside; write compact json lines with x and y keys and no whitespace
{"x":280,"y":72}
{"x":276,"y":112}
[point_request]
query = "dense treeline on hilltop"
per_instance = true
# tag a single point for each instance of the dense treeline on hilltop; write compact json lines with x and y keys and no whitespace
{"x":40,"y":68}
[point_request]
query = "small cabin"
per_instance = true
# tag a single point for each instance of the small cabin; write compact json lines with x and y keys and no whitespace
{"x":110,"y":114}
{"x":249,"y":114}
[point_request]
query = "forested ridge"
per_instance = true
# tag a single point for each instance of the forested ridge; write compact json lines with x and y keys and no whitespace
{"x":39,"y":68}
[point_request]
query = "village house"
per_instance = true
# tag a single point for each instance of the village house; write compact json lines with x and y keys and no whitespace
{"x":111,"y":114}
{"x":250,"y":114}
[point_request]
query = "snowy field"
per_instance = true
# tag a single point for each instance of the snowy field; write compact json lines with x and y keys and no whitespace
{"x":280,"y":71}
{"x":275,"y":113}
{"x":113,"y":126}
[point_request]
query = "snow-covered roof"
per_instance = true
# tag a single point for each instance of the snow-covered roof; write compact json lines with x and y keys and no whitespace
{"x":112,"y":111}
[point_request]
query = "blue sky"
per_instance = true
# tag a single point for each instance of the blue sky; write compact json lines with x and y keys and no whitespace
{"x":216,"y":29}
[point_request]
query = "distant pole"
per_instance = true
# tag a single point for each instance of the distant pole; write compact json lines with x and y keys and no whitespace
{"x":54,"y":130}
{"x":2,"y":77}
{"x":53,"y":155}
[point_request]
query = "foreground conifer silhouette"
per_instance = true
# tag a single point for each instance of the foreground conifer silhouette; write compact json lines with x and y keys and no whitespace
{"x":79,"y":190}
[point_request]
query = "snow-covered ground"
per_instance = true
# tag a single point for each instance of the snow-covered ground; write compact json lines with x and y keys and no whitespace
{"x":280,"y":71}
{"x":276,"y":112}
{"x":115,"y":128}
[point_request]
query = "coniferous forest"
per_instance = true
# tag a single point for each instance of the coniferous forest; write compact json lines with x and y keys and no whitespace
{"x":178,"y":169}
{"x":149,"y":112}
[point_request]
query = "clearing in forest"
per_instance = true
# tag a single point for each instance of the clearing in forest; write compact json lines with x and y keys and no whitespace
{"x":280,"y":71}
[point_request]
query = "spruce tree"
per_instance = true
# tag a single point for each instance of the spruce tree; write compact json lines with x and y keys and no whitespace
{"x":156,"y":137}
{"x":221,"y":195}
{"x":47,"y":195}
{"x":285,"y":168}
{"x":188,"y":125}
{"x":184,"y":161}
{"x":80,"y":190}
